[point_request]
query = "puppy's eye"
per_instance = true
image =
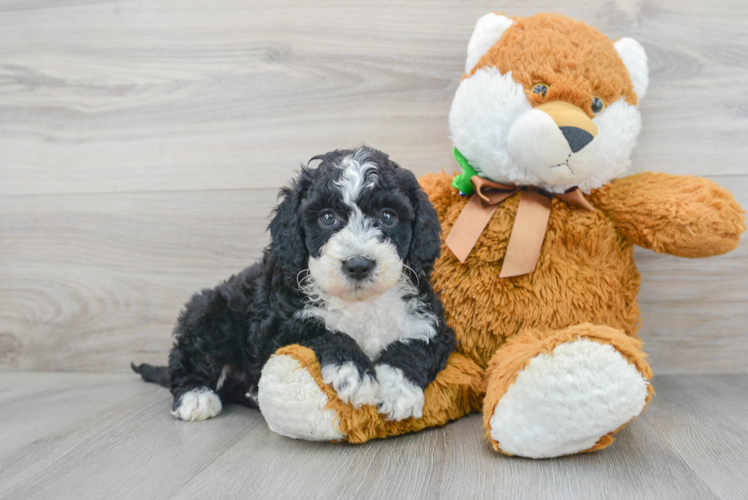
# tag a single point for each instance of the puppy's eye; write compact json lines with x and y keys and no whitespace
{"x":388,"y":218}
{"x":598,"y":105}
{"x":328,"y":218}
{"x":540,"y":88}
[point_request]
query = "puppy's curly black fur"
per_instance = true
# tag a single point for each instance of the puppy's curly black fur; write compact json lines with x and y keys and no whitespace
{"x":225,"y":335}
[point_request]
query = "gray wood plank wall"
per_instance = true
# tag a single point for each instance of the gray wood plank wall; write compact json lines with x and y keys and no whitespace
{"x":142,"y":145}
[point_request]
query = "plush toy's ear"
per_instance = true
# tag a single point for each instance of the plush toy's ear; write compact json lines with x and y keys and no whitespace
{"x":425,"y":245}
{"x":487,"y":32}
{"x":635,"y":59}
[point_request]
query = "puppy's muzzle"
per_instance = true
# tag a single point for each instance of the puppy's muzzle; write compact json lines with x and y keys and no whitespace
{"x":575,"y":125}
{"x":358,"y":268}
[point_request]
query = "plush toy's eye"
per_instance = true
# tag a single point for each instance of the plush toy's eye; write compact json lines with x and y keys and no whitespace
{"x":597,"y":105}
{"x":328,"y":218}
{"x":540,"y":88}
{"x":388,"y":218}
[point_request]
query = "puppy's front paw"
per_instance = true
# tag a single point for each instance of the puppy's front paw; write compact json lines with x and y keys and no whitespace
{"x":350,"y":385}
{"x":398,"y":397}
{"x":198,"y":404}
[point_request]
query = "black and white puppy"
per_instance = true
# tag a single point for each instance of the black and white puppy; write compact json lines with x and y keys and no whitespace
{"x":347,"y":274}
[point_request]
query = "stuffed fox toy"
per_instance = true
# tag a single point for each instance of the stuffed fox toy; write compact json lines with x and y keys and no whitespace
{"x":537,"y":274}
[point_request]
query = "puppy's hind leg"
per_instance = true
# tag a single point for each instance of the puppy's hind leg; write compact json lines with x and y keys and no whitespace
{"x":192,"y":385}
{"x":208,"y":338}
{"x":194,"y":380}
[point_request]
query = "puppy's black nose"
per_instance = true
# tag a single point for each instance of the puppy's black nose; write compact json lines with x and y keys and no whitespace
{"x":576,"y":137}
{"x":358,"y":268}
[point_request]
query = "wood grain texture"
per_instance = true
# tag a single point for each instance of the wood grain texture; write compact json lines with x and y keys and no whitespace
{"x":706,"y":417}
{"x":90,"y":282}
{"x":94,"y":281}
{"x":143,"y":144}
{"x":180,"y":95}
{"x":82,"y":436}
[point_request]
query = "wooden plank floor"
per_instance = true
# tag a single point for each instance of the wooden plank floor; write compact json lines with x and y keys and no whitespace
{"x":108,"y":435}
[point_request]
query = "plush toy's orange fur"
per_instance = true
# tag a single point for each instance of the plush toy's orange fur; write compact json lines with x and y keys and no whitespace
{"x":585,"y":283}
{"x":585,"y":276}
{"x":532,"y":49}
{"x":457,"y":391}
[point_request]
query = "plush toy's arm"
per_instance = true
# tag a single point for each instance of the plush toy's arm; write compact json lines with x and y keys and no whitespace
{"x":680,"y":215}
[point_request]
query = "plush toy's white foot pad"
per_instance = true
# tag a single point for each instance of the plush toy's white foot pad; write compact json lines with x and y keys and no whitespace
{"x":198,"y":404}
{"x":563,"y":402}
{"x":292,"y":403}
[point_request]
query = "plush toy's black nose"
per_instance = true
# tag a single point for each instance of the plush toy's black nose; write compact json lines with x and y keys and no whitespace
{"x":358,"y":268}
{"x":576,"y":137}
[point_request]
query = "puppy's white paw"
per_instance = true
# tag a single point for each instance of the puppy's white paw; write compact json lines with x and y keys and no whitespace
{"x":198,"y":404}
{"x":398,"y":398}
{"x":350,"y":386}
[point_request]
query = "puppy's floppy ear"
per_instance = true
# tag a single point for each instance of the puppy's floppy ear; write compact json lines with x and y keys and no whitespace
{"x":286,"y":231}
{"x":425,"y":245}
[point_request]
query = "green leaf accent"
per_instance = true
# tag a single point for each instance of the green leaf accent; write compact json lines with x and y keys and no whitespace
{"x":462,"y":181}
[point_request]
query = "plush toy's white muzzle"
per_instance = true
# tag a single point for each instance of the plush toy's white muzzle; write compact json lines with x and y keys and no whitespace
{"x":552,"y":142}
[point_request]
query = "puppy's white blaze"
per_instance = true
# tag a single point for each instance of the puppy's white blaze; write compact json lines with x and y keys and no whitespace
{"x":350,"y":386}
{"x":358,"y":238}
{"x":398,"y":398}
{"x":198,"y":404}
{"x":357,"y":175}
{"x":376,"y":311}
{"x":491,"y":125}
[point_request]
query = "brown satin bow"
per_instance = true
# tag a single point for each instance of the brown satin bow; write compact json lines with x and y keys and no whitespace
{"x":528,"y":231}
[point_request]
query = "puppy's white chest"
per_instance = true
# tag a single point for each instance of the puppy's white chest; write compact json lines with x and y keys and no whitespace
{"x":377,"y":323}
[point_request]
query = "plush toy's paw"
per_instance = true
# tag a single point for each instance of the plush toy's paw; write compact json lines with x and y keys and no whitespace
{"x":293,"y":403}
{"x":197,"y":404}
{"x":398,"y":398}
{"x":568,"y":400}
{"x":297,"y":403}
{"x":350,"y":385}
